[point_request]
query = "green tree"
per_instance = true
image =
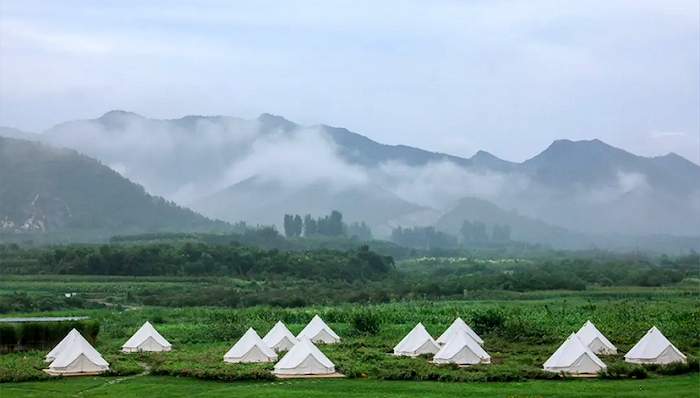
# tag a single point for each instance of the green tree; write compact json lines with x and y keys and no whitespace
{"x":310,"y":226}
{"x":288,"y":225}
{"x":335,"y":225}
{"x":298,"y":225}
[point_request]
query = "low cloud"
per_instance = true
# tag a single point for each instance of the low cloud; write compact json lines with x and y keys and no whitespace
{"x":440,"y":184}
{"x":295,"y":159}
{"x":626,"y":183}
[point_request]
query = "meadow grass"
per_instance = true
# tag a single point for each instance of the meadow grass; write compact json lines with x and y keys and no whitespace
{"x":520,"y":334}
{"x":156,"y":387}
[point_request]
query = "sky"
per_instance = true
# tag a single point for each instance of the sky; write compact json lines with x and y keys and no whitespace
{"x":508,"y":77}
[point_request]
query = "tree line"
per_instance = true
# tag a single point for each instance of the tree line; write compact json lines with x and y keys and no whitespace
{"x":331,"y":225}
{"x":472,"y":233}
{"x":198,"y":259}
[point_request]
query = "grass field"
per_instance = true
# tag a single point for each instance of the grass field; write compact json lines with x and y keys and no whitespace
{"x":155,"y":387}
{"x":521,"y":330}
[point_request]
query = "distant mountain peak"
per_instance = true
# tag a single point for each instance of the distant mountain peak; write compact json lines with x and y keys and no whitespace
{"x":670,"y":155}
{"x":269,"y":121}
{"x":487,"y":160}
{"x":566,"y":143}
{"x":483,"y":155}
{"x":582,"y":150}
{"x":118,"y":113}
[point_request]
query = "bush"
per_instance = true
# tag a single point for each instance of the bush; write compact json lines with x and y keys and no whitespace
{"x":18,"y":367}
{"x":366,"y":323}
{"x":638,"y":372}
{"x":225,"y":326}
{"x":220,"y":373}
{"x":8,"y":334}
{"x":622,"y":370}
{"x":677,"y":368}
{"x":487,"y":321}
{"x":44,"y":335}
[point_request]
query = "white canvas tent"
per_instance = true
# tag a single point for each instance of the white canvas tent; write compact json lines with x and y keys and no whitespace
{"x":71,"y":336}
{"x":250,"y":348}
{"x":304,"y":359}
{"x":417,"y":341}
{"x":146,"y":338}
{"x":574,"y":357}
{"x":596,"y":341}
{"x":457,"y":326}
{"x":462,"y":350}
{"x":78,"y":356}
{"x":654,"y":347}
{"x":319,"y":332}
{"x":279,"y":338}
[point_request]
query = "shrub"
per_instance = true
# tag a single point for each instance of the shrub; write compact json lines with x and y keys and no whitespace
{"x":8,"y":334}
{"x":221,"y":373}
{"x":623,"y":370}
{"x":17,"y":367}
{"x":487,"y":321}
{"x":43,"y":335}
{"x":224,"y":326}
{"x":677,"y":368}
{"x":638,"y":372}
{"x":366,"y":323}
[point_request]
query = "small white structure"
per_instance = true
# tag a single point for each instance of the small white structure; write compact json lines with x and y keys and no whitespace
{"x":70,"y":337}
{"x":654,"y":347}
{"x":319,"y":332}
{"x":250,"y":348}
{"x":574,"y":357}
{"x":304,"y":359}
{"x":458,"y":325}
{"x":77,"y":357}
{"x":462,"y":350}
{"x":279,"y":338}
{"x":146,"y":338}
{"x":596,"y":341}
{"x":418,"y":341}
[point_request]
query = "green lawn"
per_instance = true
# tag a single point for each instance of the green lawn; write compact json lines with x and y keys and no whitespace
{"x":155,"y":387}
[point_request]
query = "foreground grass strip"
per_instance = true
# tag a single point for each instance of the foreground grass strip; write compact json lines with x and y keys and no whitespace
{"x":156,"y":387}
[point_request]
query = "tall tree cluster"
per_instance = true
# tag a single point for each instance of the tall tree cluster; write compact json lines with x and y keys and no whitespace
{"x":475,"y":232}
{"x":422,"y":237}
{"x":331,"y":225}
{"x":293,"y":225}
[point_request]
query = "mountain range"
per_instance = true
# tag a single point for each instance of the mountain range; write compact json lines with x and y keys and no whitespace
{"x":257,"y":170}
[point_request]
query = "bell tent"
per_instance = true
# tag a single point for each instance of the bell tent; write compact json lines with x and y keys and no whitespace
{"x":418,"y":341}
{"x":654,"y":347}
{"x":596,"y":341}
{"x":250,"y":348}
{"x":78,"y":356}
{"x":70,"y":337}
{"x":319,"y":332}
{"x":462,"y":350}
{"x":456,"y":326}
{"x":304,"y":359}
{"x":279,"y":338}
{"x":574,"y":357}
{"x":146,"y":338}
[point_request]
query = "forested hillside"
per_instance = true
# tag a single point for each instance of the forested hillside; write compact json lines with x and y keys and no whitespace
{"x":48,"y":189}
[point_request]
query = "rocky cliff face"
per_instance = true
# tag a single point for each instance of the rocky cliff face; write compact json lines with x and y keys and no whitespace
{"x":43,"y":213}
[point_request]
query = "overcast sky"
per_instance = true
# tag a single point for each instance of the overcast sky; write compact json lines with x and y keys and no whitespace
{"x":508,"y":77}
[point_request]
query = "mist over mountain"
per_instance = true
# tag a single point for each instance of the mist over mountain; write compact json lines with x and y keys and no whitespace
{"x":258,"y":170}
